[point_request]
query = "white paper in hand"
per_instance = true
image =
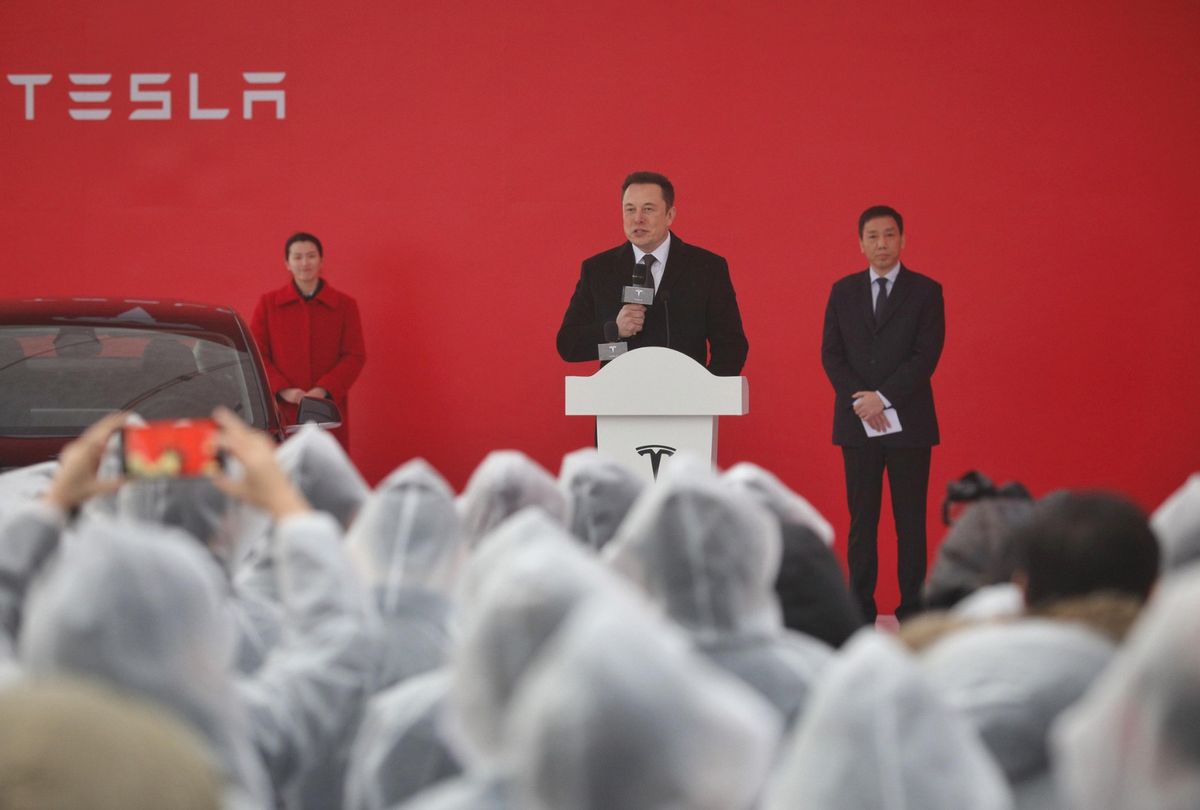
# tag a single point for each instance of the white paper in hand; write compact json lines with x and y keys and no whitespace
{"x":893,"y":424}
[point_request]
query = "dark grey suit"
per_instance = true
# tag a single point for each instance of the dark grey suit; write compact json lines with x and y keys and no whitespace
{"x":895,"y":357}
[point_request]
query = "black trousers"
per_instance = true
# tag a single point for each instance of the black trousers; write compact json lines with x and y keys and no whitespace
{"x":908,"y":479}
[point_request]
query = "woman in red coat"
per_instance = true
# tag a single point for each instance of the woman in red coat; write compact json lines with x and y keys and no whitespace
{"x":310,"y":336}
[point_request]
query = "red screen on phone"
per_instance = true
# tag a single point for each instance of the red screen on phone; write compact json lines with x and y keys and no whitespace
{"x":174,"y":448}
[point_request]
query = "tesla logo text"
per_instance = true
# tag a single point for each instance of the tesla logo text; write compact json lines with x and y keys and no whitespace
{"x":91,"y":94}
{"x":656,"y":453}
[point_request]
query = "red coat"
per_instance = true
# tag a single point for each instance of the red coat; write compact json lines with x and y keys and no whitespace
{"x":312,"y":343}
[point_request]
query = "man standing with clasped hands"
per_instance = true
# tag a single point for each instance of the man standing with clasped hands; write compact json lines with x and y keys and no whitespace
{"x":884,"y":330}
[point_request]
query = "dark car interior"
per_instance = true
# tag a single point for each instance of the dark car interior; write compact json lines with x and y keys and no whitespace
{"x":58,"y":380}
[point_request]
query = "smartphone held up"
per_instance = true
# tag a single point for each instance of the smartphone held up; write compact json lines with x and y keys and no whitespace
{"x":174,"y":448}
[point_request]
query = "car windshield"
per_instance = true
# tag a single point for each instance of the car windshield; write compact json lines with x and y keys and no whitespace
{"x":57,"y":380}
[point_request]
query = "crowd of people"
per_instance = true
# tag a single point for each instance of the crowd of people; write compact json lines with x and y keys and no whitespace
{"x":283,"y":636}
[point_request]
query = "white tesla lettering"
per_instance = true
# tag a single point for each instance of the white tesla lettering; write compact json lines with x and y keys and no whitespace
{"x":194,"y":111}
{"x":275,"y":95}
{"x":29,"y":81}
{"x":151,"y":97}
{"x":90,"y":96}
{"x":138,"y":95}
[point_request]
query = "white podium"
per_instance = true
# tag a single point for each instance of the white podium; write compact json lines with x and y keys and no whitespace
{"x":653,"y":402}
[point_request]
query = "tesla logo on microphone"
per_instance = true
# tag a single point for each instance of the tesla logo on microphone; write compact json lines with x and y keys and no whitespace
{"x":656,"y":453}
{"x":91,"y":95}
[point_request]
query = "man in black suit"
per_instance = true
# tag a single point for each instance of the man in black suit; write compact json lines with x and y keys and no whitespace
{"x":884,"y":330}
{"x":695,"y":310}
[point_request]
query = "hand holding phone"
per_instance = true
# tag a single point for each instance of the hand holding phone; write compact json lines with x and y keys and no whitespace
{"x":263,"y":482}
{"x":76,"y":479}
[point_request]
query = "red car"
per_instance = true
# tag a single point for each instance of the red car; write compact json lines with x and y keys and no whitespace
{"x":65,"y":362}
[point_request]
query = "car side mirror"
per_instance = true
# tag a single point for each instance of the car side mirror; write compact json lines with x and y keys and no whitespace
{"x":319,"y":410}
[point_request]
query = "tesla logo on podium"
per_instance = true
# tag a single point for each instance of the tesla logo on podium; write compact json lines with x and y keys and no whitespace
{"x":656,"y":453}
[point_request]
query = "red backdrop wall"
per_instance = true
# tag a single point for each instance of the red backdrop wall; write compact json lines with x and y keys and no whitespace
{"x":459,"y":159}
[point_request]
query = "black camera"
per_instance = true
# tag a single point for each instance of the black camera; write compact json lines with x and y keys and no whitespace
{"x":975,"y":486}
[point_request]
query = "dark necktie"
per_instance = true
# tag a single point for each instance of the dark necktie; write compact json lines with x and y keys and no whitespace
{"x":649,"y":260}
{"x":880,"y":300}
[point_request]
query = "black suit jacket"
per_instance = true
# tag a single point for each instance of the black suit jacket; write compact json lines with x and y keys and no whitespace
{"x":895,"y":358}
{"x":695,"y":309}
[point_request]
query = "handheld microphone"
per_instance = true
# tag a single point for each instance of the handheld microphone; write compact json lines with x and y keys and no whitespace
{"x":639,"y":274}
{"x":638,"y":292}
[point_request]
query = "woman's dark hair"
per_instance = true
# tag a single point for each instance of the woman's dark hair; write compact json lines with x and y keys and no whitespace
{"x":301,"y":236}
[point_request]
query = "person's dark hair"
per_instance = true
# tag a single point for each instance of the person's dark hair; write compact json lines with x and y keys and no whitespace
{"x":812,"y":592}
{"x":301,"y":236}
{"x":1078,"y":543}
{"x":879,"y":211}
{"x":660,"y":180}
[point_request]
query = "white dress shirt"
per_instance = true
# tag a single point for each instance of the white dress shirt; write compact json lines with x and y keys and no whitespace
{"x":659,"y":253}
{"x":890,"y":275}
